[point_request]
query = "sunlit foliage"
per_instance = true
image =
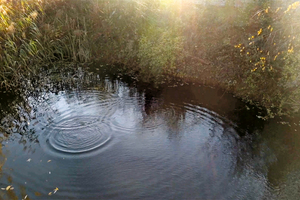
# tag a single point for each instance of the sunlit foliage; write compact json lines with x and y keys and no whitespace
{"x":32,"y":35}
{"x":271,"y":72}
{"x":249,"y":49}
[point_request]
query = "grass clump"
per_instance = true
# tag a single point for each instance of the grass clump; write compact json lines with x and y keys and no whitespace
{"x":34,"y":34}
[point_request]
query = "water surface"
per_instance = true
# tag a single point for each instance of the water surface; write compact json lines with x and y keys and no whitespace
{"x":112,"y":140}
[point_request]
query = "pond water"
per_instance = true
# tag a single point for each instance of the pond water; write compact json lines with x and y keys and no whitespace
{"x":109,"y":139}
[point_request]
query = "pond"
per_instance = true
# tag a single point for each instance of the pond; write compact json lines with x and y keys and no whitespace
{"x":113,"y":139}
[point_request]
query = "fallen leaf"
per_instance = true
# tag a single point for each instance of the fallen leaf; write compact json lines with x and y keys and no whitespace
{"x":55,"y":190}
{"x":29,"y":160}
{"x":8,"y":187}
{"x":25,"y":197}
{"x":49,"y":161}
{"x":50,"y":193}
{"x":37,"y":194}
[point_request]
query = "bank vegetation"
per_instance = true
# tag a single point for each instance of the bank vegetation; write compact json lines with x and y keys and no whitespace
{"x":250,"y":50}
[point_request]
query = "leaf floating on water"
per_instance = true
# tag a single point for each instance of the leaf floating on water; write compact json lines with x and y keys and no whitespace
{"x":29,"y":160}
{"x":48,"y":161}
{"x":37,"y":194}
{"x":3,"y":189}
{"x":9,"y":187}
{"x":55,"y":190}
{"x":25,"y":197}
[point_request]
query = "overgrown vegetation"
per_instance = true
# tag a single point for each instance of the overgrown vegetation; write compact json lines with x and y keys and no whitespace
{"x":251,"y":50}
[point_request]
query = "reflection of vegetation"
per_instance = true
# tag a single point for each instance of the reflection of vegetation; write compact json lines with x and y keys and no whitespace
{"x":183,"y":103}
{"x":15,"y":113}
{"x":17,"y":110}
{"x":154,"y":38}
{"x":9,"y":189}
{"x":2,"y":158}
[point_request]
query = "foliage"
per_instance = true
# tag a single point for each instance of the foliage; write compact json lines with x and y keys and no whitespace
{"x":31,"y":36}
{"x":248,"y":49}
{"x":270,"y":71}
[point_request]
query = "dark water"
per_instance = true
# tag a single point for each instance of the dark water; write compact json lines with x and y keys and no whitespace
{"x":110,"y":140}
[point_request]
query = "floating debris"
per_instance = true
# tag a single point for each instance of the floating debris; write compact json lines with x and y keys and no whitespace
{"x":48,"y":161}
{"x":29,"y":160}
{"x":10,"y":187}
{"x":53,"y":192}
{"x":37,"y":194}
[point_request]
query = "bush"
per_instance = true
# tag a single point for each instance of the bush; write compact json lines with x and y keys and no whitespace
{"x":270,"y":71}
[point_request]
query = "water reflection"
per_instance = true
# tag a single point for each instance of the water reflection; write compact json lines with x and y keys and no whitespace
{"x":107,"y":140}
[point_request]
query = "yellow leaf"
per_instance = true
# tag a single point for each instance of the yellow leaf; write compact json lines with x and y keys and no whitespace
{"x":8,"y":187}
{"x":259,"y":32}
{"x":55,"y":190}
{"x":291,"y":50}
{"x":295,"y":5}
{"x":49,"y":161}
{"x":50,"y":193}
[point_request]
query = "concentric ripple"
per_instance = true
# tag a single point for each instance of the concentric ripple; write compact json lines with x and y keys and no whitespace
{"x":78,"y":135}
{"x":90,"y":106}
{"x":130,"y":116}
{"x":116,"y":143}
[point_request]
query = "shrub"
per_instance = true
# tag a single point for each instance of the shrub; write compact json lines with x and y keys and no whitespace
{"x":270,"y":71}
